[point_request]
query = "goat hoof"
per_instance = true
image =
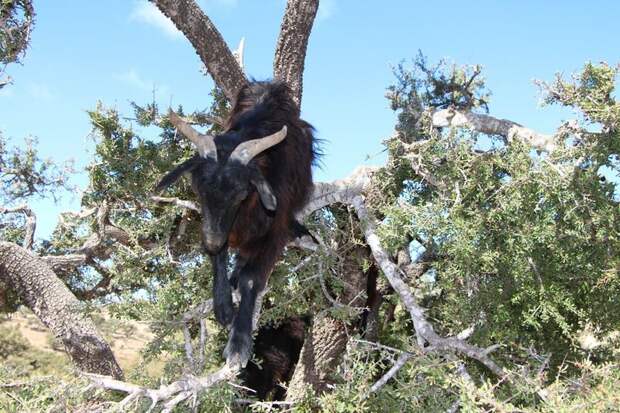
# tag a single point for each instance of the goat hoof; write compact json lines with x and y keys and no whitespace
{"x":238,"y":350}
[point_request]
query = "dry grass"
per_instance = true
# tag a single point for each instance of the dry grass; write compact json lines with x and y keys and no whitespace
{"x":127,"y":338}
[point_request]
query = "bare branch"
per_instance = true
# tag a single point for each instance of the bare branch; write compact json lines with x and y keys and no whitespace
{"x":288,"y":64}
{"x":95,"y":245}
{"x":31,"y":223}
{"x":340,"y":191}
{"x":509,"y":130}
{"x":208,"y":43}
{"x":178,"y":202}
{"x":422,"y":326}
{"x":170,"y":394}
{"x":54,"y":304}
{"x":190,"y":386}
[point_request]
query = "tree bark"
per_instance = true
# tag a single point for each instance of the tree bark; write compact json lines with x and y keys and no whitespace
{"x":288,"y":64}
{"x":327,"y":339}
{"x":505,"y":128}
{"x":208,"y":44}
{"x":51,"y":301}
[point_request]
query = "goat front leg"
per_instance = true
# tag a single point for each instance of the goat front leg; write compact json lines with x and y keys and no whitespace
{"x":234,"y":277}
{"x":251,"y":287}
{"x":222,"y":294}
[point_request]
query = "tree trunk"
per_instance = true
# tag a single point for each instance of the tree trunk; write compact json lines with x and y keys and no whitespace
{"x":40,"y":290}
{"x":326,"y":341}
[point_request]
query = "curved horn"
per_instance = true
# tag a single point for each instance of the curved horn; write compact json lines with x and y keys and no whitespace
{"x":244,"y":152}
{"x":205,"y":144}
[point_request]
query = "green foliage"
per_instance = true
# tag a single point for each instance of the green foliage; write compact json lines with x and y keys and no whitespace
{"x":16,"y":24}
{"x":440,"y":86}
{"x":520,"y":246}
{"x":523,"y":246}
{"x":16,"y":18}
{"x":24,"y":175}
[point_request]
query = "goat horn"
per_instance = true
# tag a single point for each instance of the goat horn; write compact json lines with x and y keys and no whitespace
{"x":205,"y":144}
{"x":244,"y":152}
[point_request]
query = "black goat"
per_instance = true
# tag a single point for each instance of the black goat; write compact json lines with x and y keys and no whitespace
{"x":250,"y":181}
{"x":277,"y":351}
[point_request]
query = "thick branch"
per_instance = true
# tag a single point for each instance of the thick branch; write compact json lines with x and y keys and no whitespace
{"x":509,"y":130}
{"x":288,"y":64}
{"x":51,"y":301}
{"x":208,"y":43}
{"x":341,"y":191}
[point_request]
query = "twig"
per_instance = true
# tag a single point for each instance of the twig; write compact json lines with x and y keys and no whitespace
{"x":326,"y":293}
{"x":400,"y":362}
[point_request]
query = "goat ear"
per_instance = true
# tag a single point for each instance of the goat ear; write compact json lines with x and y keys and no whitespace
{"x":174,"y":175}
{"x":267,"y":197}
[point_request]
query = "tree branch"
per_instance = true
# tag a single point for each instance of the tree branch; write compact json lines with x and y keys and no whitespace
{"x":178,"y":202}
{"x":400,"y":362}
{"x":339,"y":191}
{"x":208,"y":43}
{"x":96,"y":245}
{"x":55,"y":305}
{"x":507,"y":129}
{"x":170,"y":394}
{"x":288,"y":64}
{"x":31,"y":223}
{"x":422,"y":326}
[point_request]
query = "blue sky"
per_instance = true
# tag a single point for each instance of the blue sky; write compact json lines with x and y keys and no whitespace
{"x":116,"y":51}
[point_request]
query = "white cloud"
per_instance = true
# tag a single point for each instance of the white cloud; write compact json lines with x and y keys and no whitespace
{"x":327,"y":8}
{"x":132,"y":78}
{"x":148,"y":13}
{"x":39,"y":91}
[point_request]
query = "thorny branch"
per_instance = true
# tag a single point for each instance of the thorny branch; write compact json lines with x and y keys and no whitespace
{"x":400,"y":362}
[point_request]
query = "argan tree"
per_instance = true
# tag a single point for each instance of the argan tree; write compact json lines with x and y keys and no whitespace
{"x":475,"y":270}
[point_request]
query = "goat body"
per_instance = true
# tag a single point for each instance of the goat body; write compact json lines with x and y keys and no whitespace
{"x":249,"y":197}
